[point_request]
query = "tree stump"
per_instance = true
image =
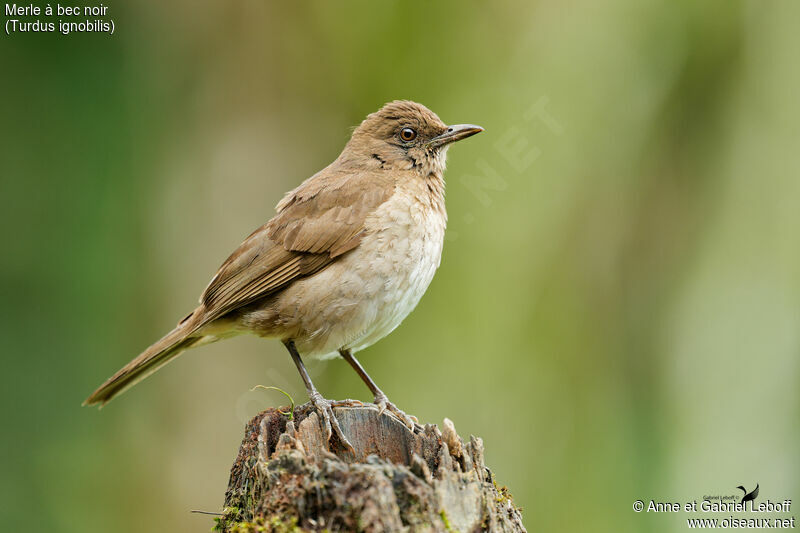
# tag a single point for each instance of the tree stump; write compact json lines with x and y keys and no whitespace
{"x":286,"y":478}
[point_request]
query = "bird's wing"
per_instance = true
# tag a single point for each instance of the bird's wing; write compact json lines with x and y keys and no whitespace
{"x":316,"y":223}
{"x":754,"y":494}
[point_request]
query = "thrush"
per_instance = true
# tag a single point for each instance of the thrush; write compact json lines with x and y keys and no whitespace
{"x":346,"y":258}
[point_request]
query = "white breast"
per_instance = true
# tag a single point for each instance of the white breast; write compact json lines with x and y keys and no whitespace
{"x":404,"y":257}
{"x":366,"y":294}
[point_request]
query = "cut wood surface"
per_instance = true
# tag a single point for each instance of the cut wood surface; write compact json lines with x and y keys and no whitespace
{"x":287,"y":478}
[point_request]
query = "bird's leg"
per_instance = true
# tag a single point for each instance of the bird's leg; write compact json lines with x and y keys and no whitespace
{"x":322,"y":405}
{"x":381,"y":400}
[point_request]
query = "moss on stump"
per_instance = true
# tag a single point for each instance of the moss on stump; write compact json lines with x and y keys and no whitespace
{"x":287,"y":479}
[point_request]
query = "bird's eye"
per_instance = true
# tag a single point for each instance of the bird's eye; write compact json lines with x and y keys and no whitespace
{"x":408,"y":134}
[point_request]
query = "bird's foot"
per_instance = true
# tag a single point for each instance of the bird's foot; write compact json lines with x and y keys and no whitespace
{"x":325,"y":409}
{"x":384,"y":404}
{"x":346,"y":403}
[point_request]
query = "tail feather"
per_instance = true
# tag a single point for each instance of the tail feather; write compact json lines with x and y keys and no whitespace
{"x":156,"y":356}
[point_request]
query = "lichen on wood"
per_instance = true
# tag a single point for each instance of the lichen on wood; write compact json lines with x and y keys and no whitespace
{"x":286,"y":478}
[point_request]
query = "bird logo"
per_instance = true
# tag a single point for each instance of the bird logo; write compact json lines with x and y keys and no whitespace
{"x":748,"y":497}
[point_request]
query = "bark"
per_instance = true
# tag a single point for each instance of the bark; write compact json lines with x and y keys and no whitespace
{"x":286,"y":478}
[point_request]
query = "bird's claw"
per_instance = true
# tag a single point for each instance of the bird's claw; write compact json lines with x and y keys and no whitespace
{"x":346,"y":403}
{"x":325,"y":409}
{"x":383,"y":404}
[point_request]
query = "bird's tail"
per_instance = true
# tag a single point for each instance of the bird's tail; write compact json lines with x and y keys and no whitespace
{"x":153,"y":358}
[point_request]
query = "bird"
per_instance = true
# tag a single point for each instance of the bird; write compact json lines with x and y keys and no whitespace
{"x":347,"y":256}
{"x":748,"y":497}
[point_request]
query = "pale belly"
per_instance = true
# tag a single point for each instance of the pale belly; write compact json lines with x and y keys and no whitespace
{"x":405,"y":278}
{"x":365,"y":295}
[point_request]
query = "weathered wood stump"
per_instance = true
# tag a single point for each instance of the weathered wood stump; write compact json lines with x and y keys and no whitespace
{"x":286,"y":478}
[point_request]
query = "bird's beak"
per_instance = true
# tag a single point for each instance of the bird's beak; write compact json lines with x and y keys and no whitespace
{"x":453,"y":134}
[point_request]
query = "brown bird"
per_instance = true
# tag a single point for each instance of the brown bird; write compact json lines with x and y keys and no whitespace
{"x":346,"y":258}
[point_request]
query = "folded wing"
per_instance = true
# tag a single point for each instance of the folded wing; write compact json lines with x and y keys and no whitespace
{"x":316,"y":223}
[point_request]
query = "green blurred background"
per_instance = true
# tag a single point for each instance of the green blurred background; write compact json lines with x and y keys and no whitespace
{"x":617,"y":308}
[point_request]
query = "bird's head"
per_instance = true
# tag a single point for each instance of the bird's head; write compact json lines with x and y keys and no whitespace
{"x":405,"y":135}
